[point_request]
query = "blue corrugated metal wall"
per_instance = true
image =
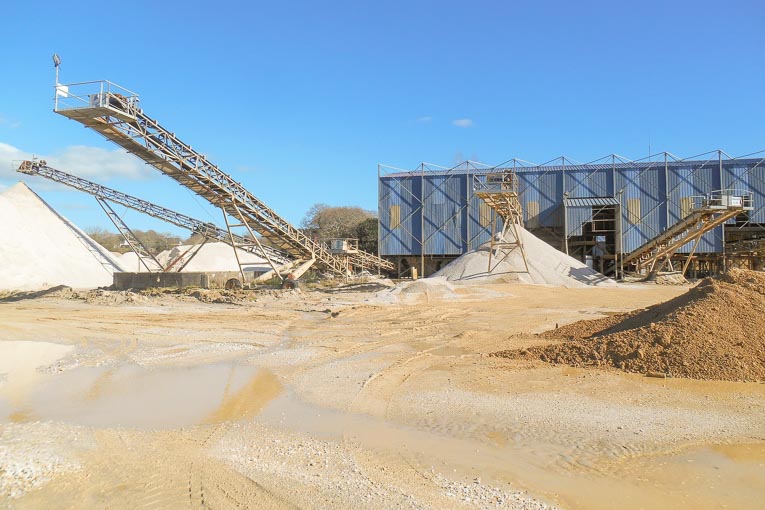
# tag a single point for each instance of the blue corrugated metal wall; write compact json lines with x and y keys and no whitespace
{"x":452,"y":220}
{"x":404,"y":192}
{"x":444,"y":197}
{"x":476,"y":233}
{"x":545,"y":188}
{"x":756,"y":178}
{"x":686,"y":181}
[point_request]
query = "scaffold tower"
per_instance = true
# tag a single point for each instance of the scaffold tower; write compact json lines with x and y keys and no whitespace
{"x":500,"y":192}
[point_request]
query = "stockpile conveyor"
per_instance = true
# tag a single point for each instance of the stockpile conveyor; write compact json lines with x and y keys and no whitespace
{"x":103,"y":194}
{"x":114,"y":112}
{"x":709,"y":211}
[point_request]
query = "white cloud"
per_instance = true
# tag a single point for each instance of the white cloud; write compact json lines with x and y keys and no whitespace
{"x":463,"y":123}
{"x":81,"y":160}
{"x":424,"y":119}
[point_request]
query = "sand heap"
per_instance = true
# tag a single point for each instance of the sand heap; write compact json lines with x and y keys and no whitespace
{"x":547,"y":266}
{"x":216,"y":257}
{"x":715,"y":331}
{"x":40,"y":248}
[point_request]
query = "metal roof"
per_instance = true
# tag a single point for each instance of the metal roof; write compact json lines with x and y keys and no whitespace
{"x":475,"y":169}
{"x":590,"y":201}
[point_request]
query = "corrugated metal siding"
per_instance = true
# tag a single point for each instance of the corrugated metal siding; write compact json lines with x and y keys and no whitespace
{"x":632,"y":181}
{"x":585,"y":182}
{"x":687,"y":181}
{"x":735,"y":177}
{"x":453,"y":231}
{"x":576,"y":216}
{"x":545,"y":188}
{"x":756,"y":178}
{"x":403,"y":192}
{"x":443,"y":200}
{"x":477,"y":233}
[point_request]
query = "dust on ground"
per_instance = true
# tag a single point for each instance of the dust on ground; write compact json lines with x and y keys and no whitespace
{"x":357,"y":398}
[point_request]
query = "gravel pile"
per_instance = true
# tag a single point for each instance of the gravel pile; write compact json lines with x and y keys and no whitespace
{"x":547,"y":266}
{"x":715,"y":331}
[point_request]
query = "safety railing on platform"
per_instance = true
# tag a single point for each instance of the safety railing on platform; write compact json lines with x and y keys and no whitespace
{"x":725,"y":199}
{"x":96,"y":94}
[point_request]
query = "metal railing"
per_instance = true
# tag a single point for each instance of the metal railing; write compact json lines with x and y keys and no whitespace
{"x":95,"y":94}
{"x":504,"y":181}
{"x":725,"y":198}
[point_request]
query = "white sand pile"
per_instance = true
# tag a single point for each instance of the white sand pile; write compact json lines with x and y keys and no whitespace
{"x":547,"y":266}
{"x":40,"y":248}
{"x":131,"y":262}
{"x":216,"y":257}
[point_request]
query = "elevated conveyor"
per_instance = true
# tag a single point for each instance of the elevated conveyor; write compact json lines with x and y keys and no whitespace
{"x":114,"y":112}
{"x":207,"y":230}
{"x":708,"y":212}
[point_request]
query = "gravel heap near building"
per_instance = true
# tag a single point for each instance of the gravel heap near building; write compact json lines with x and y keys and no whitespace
{"x":547,"y":266}
{"x":39,"y":248}
{"x":715,"y":331}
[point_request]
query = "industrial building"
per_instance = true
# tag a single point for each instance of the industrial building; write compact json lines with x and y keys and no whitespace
{"x":599,"y":212}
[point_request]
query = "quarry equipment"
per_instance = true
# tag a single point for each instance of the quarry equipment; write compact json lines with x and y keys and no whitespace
{"x":500,"y":192}
{"x":114,"y":112}
{"x":207,"y":230}
{"x":708,"y":212}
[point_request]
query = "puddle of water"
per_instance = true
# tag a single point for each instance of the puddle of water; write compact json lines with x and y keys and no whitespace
{"x":19,"y":363}
{"x":135,"y":396}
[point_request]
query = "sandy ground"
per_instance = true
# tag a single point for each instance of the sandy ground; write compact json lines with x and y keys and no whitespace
{"x":349,"y":399}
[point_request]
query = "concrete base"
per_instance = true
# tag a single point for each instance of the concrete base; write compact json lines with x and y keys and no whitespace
{"x":205,"y":280}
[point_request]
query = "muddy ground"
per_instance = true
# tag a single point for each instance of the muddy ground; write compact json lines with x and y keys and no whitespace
{"x":349,"y":399}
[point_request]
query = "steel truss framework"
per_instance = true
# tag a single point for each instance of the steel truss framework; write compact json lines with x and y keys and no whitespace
{"x":207,"y":230}
{"x":113,"y":112}
{"x":145,"y":257}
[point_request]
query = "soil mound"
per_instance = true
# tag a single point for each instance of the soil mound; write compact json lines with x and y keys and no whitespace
{"x":714,"y":331}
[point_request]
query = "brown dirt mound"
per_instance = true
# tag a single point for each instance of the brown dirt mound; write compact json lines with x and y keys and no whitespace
{"x":714,"y":331}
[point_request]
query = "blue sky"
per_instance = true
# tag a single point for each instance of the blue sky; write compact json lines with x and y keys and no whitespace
{"x":300,"y":101}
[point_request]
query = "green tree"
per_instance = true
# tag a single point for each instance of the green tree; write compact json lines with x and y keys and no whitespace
{"x":366,"y":233}
{"x":326,"y":222}
{"x":154,"y":241}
